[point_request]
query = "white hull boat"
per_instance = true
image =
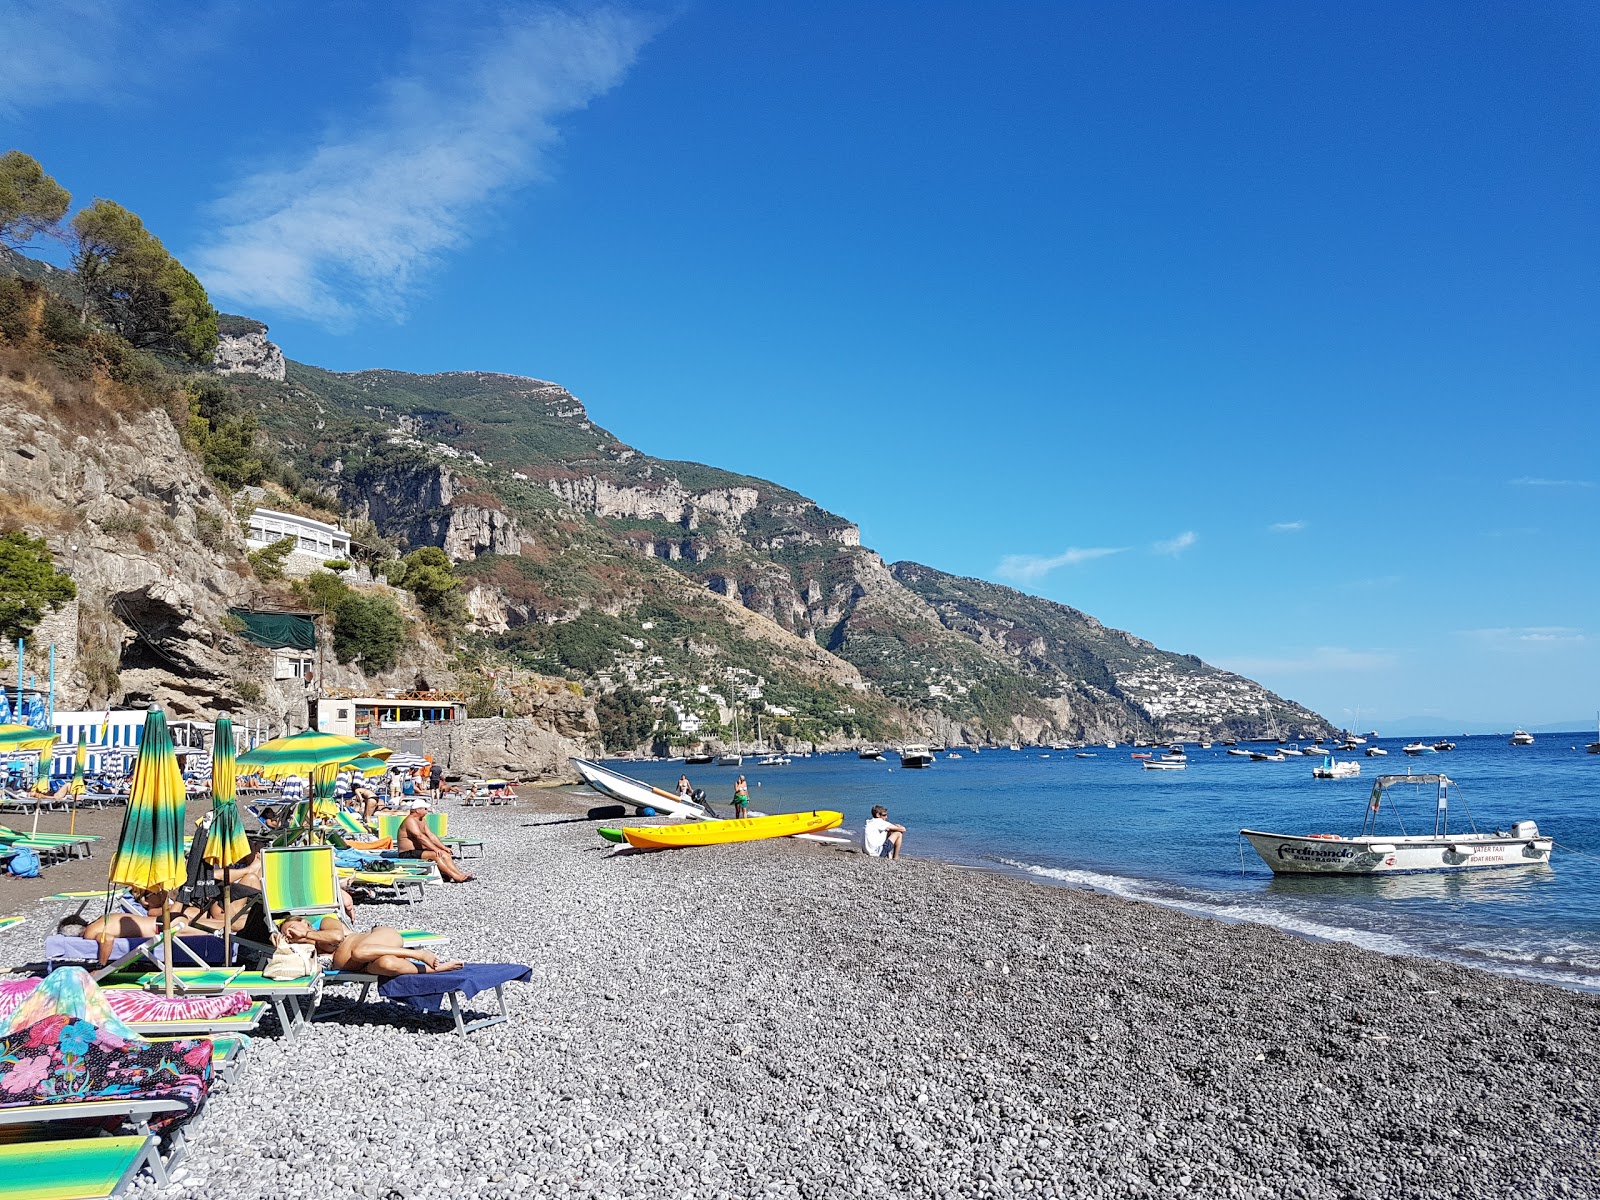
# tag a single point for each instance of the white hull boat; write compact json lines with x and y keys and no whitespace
{"x":1331,"y":768}
{"x":1376,"y":752}
{"x":1521,"y":737}
{"x":1372,"y":853}
{"x":637,"y":795}
{"x":1416,"y":748}
{"x":916,"y":756}
{"x":1238,"y":753}
{"x":1164,"y":764}
{"x":867,"y":752}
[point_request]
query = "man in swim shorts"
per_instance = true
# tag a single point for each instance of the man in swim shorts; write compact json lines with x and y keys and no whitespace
{"x":415,"y":840}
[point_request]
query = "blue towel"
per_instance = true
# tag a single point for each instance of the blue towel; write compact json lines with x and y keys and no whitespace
{"x":427,"y":992}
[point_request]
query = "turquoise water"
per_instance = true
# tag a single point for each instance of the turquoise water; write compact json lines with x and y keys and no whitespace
{"x":1171,"y":837}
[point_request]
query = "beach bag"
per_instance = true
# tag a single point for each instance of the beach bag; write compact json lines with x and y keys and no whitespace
{"x":24,"y":864}
{"x":292,"y":961}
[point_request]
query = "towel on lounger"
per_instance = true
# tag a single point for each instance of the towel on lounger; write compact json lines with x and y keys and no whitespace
{"x":427,"y":992}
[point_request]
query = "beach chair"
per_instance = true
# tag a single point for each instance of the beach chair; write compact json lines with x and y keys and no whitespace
{"x":285,"y":995}
{"x":84,"y":1168}
{"x":438,"y":824}
{"x":60,"y":845}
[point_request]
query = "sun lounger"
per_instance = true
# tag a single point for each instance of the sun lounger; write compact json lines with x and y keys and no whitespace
{"x":10,"y":922}
{"x":285,"y":995}
{"x":438,"y":824}
{"x":77,"y":1168}
{"x":50,"y":845}
{"x":198,"y":1026}
{"x":432,"y":992}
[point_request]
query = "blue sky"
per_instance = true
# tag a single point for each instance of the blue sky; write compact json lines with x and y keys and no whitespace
{"x":1265,"y":331}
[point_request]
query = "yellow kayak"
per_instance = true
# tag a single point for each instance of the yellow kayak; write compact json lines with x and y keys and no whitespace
{"x":745,"y":829}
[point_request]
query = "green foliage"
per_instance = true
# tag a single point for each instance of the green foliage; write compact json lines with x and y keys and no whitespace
{"x":587,"y":644}
{"x":626,"y":718}
{"x":30,"y":585}
{"x":132,"y":283}
{"x":429,"y":577}
{"x":225,"y":435}
{"x":247,"y":690}
{"x":30,"y":201}
{"x":369,"y":546}
{"x":267,"y":562}
{"x":325,"y":590}
{"x":368,"y":631}
{"x":211,"y":528}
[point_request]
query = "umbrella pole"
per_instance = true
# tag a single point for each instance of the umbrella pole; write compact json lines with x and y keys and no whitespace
{"x":166,"y":950}
{"x":227,"y":919}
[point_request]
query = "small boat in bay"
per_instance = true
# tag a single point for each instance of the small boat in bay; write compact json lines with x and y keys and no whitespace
{"x":1331,"y":768}
{"x":870,"y":752}
{"x":1521,"y":737}
{"x":1238,"y":752}
{"x":1372,"y":853}
{"x":916,"y":755}
{"x":1164,"y":764}
{"x":1376,"y":752}
{"x":1416,"y":748}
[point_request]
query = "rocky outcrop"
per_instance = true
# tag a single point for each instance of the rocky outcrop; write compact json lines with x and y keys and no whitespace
{"x":249,"y":354}
{"x":421,"y":502}
{"x":536,"y":746}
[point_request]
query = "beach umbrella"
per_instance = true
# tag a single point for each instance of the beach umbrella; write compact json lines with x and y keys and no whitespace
{"x":5,"y":707}
{"x":149,"y":855}
{"x":367,"y":765}
{"x":80,"y":762}
{"x":37,"y":717}
{"x":26,"y":737}
{"x":302,"y":753}
{"x":225,"y":844}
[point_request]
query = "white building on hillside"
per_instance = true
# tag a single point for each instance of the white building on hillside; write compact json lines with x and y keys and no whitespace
{"x":315,"y":542}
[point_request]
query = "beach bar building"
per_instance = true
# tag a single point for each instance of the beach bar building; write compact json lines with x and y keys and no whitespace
{"x":362,"y":716}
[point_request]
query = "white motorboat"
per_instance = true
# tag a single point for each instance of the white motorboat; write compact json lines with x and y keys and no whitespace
{"x":1239,"y":752}
{"x":1521,"y":737}
{"x":916,"y":756}
{"x":1263,"y":756}
{"x":1376,"y":752}
{"x":1332,"y":768}
{"x":1444,"y":744}
{"x":1371,"y":853}
{"x":1316,"y":751}
{"x":772,"y":760}
{"x":1111,"y":745}
{"x":1416,"y":748}
{"x":1165,"y":763}
{"x":1594,"y":746}
{"x":1085,"y":754}
{"x":1205,"y":745}
{"x":870,"y":752}
{"x":636,"y":794}
{"x":1292,"y":750}
{"x":952,"y":754}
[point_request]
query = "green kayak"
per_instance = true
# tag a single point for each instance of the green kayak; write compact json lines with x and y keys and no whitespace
{"x":610,"y":832}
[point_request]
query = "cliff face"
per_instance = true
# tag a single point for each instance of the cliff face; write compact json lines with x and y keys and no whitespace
{"x":565,"y":519}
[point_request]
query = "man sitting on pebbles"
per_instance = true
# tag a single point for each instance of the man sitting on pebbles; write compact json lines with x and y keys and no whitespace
{"x":880,"y":838}
{"x":415,"y":840}
{"x":378,"y":951}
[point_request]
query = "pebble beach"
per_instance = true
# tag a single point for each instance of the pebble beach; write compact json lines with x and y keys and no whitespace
{"x":789,"y":1020}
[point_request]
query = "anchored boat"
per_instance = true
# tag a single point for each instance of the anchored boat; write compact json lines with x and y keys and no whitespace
{"x":1369,"y":853}
{"x":1333,"y":768}
{"x":916,"y":756}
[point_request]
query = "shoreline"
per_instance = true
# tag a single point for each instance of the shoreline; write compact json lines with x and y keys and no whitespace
{"x":785,"y":1019}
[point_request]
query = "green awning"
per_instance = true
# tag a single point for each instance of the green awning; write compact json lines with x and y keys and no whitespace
{"x":276,"y":629}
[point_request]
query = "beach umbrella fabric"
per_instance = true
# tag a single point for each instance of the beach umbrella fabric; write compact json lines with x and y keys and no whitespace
{"x":26,"y":737}
{"x":367,"y":765}
{"x":37,"y":717}
{"x":409,"y":761}
{"x":149,"y":854}
{"x":80,"y":762}
{"x":302,"y":753}
{"x":225,"y":845}
{"x":5,"y":707}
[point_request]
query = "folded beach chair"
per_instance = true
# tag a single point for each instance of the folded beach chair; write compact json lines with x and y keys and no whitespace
{"x":78,"y":1168}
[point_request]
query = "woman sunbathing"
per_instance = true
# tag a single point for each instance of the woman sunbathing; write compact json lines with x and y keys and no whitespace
{"x":378,"y":951}
{"x":185,"y":918}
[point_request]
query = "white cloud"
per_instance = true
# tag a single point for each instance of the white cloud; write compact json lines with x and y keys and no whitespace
{"x":1286,"y":526}
{"x":349,"y":230}
{"x":1176,"y":545}
{"x":1526,"y":637}
{"x":70,"y":51}
{"x":1552,"y":483}
{"x":1027,"y":568}
{"x":1311,"y":662}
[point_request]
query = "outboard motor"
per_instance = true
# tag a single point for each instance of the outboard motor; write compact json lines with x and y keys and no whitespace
{"x":1525,"y":829}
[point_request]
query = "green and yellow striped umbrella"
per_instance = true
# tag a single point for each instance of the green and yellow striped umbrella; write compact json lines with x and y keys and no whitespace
{"x":80,"y":761}
{"x":302,"y":753}
{"x":149,"y":854}
{"x":367,"y":765}
{"x":26,"y":737}
{"x":225,"y":844}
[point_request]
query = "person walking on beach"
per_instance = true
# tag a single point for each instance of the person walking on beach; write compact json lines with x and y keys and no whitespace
{"x":880,"y":837}
{"x":741,"y":797}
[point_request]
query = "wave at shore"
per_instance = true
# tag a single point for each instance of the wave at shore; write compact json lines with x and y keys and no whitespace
{"x":1570,"y":970}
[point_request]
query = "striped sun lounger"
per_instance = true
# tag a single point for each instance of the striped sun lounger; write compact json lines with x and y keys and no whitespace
{"x":87,"y":1168}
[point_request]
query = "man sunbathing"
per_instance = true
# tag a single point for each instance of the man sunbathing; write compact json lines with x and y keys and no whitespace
{"x":185,"y":918}
{"x":378,"y":951}
{"x":415,"y":840}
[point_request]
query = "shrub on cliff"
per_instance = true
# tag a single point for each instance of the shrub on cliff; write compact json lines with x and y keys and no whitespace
{"x":267,"y":562}
{"x":626,"y":718}
{"x":430,"y":578}
{"x":30,"y":585}
{"x":368,"y":631}
{"x":132,"y":284}
{"x":30,"y":201}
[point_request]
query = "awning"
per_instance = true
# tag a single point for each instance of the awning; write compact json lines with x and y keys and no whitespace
{"x":275,"y":629}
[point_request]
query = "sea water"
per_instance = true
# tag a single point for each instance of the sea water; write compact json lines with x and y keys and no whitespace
{"x":1171,"y":837}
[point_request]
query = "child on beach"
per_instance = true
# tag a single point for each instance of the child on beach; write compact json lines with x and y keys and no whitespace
{"x":880,"y":837}
{"x":741,"y":797}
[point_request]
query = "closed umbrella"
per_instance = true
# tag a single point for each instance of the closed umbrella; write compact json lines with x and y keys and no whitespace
{"x":149,"y":855}
{"x":302,"y":753}
{"x":80,"y":761}
{"x":225,"y":845}
{"x":5,"y":707}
